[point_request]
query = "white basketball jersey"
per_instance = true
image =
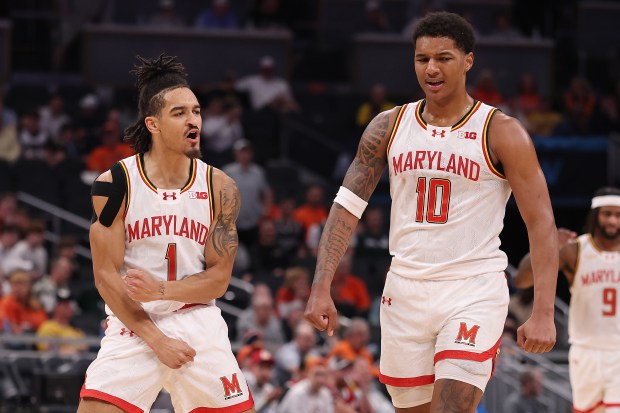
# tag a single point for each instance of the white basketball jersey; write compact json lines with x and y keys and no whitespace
{"x":448,"y":200}
{"x":593,"y":316}
{"x":166,"y":229}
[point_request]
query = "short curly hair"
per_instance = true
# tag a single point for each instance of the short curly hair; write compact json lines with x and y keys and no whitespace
{"x":155,"y":76}
{"x":450,"y":25}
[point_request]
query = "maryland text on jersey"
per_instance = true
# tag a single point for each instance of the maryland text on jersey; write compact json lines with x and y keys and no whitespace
{"x":167,"y":225}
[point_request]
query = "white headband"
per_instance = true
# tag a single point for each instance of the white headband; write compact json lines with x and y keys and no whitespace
{"x":606,"y":200}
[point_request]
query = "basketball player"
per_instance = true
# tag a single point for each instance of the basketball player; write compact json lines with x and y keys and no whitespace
{"x":452,"y":163}
{"x":591,"y":264}
{"x":163,"y":240}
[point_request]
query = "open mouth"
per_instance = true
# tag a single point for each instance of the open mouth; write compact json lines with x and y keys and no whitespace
{"x":434,"y":84}
{"x":193,"y":135}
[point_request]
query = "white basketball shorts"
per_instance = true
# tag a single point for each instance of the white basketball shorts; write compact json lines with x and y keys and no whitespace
{"x":128,"y":374}
{"x":430,"y":326}
{"x":595,"y":379}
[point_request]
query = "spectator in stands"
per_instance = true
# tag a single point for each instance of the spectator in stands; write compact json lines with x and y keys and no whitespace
{"x":9,"y":235}
{"x":349,"y":292}
{"x":528,"y":98}
{"x":528,"y":399}
{"x":268,"y":258}
{"x":579,"y":104}
{"x":29,"y":253}
{"x":87,"y":123}
{"x":313,"y":211}
{"x":504,"y":29}
{"x":22,"y":312}
{"x":372,"y":241}
{"x":253,"y":187}
{"x":166,"y":16}
{"x":110,"y":151}
{"x":310,"y":394}
{"x":260,"y":376}
{"x":350,"y":387}
{"x":267,"y":14}
{"x":252,"y":341}
{"x":607,"y":115}
{"x":295,"y":290}
{"x":59,"y":327}
{"x":376,"y":19}
{"x":8,"y":208}
{"x":219,"y":16}
{"x":261,"y":317}
{"x":221,"y":128}
{"x":354,"y":344}
{"x":486,"y":89}
{"x":544,"y":120}
{"x":31,"y":137}
{"x":10,"y":149}
{"x":290,"y":358}
{"x":56,"y":284}
{"x":376,"y":104}
{"x":52,"y":116}
{"x":267,"y":90}
{"x":289,"y":232}
{"x":68,"y":139}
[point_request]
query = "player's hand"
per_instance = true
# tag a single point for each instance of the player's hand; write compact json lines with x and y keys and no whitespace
{"x":537,"y":334}
{"x":142,"y":287}
{"x":173,"y":353}
{"x":566,"y":236}
{"x":321,"y":311}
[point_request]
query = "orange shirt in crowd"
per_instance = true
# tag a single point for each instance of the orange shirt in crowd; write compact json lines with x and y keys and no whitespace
{"x":17,"y":314}
{"x":309,"y":216}
{"x":351,"y":289}
{"x":103,"y":157}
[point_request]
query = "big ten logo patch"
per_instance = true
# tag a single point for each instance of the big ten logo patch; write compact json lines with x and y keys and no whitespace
{"x":231,"y":387}
{"x":467,"y":135}
{"x":466,"y":335}
{"x":197,"y":195}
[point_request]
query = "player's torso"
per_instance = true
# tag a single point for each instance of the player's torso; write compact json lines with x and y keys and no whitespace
{"x":448,"y":200}
{"x":594,"y":319}
{"x":166,"y":229}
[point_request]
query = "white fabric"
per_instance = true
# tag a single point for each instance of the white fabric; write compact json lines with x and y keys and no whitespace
{"x":263,"y":91}
{"x":605,"y":200}
{"x":351,"y":202}
{"x":448,"y":174}
{"x":594,"y":378}
{"x":594,"y":319}
{"x":182,"y":224}
{"x":128,"y":369}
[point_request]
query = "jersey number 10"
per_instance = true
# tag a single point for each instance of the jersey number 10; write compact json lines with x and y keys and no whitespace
{"x":427,"y":199}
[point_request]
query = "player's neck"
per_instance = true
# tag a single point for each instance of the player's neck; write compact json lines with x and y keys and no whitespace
{"x":607,"y":244}
{"x":166,"y":170}
{"x":447,"y":112}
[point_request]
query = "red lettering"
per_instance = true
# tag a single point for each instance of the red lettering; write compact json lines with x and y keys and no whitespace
{"x":465,"y":334}
{"x":134,"y":233}
{"x":451,"y":164}
{"x":230,"y":387}
{"x":474,"y":171}
{"x":146,"y":228}
{"x":408,"y":162}
{"x":419,"y":157}
{"x":397,"y":165}
{"x":463,"y":166}
{"x":155,"y":224}
{"x":439,"y":167}
{"x":167,"y":223}
{"x":194,"y":232}
{"x":183,"y":231}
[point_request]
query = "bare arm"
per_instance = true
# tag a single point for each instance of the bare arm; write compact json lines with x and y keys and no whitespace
{"x":568,"y":260}
{"x":220,"y":249}
{"x":361,"y":178}
{"x":108,"y":250}
{"x":513,"y":148}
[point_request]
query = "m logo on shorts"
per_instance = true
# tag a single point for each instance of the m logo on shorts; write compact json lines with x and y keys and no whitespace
{"x":231,"y":387}
{"x":467,"y":336}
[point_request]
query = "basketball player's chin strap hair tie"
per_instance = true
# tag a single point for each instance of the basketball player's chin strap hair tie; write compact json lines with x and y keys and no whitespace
{"x":605,"y":200}
{"x":351,"y":202}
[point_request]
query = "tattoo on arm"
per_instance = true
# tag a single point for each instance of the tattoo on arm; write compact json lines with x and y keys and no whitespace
{"x":370,"y":159}
{"x":224,"y":234}
{"x":334,"y":243}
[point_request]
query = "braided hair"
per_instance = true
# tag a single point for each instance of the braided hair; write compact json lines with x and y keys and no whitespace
{"x":155,"y":77}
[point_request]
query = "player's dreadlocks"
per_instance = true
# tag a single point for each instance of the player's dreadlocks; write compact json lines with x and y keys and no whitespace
{"x":155,"y":78}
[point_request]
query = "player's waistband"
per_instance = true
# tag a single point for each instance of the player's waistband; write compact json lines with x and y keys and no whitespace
{"x":186,"y":306}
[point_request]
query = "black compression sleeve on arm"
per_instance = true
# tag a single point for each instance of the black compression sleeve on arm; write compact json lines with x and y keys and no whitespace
{"x":115,"y":191}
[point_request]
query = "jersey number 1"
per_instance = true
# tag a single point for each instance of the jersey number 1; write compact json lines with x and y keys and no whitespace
{"x":171,"y":256}
{"x":610,"y":299}
{"x":430,"y":195}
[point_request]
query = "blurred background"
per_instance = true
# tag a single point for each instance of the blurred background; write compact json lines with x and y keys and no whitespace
{"x":286,"y":87}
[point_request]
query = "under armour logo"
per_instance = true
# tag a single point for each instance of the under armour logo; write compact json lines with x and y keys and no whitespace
{"x":172,"y":195}
{"x":441,"y":134}
{"x":125,"y":331}
{"x":387,"y":300}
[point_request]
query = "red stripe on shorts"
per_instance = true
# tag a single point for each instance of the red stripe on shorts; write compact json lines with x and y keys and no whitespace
{"x":120,"y":403}
{"x":407,"y":381}
{"x":468,"y":355}
{"x":237,"y":408}
{"x":591,"y":409}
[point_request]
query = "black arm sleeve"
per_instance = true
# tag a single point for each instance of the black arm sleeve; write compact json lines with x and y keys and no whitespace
{"x":115,"y":191}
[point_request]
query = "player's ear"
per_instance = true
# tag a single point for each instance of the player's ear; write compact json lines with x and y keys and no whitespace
{"x":469,"y":61}
{"x":152,"y":124}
